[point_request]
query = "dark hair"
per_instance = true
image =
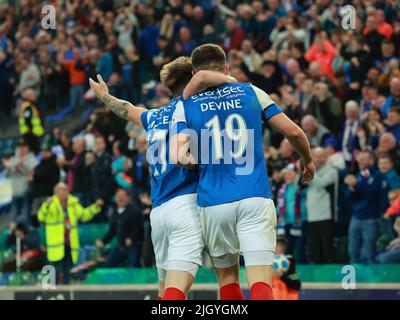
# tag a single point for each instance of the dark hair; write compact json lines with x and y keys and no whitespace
{"x":208,"y":57}
{"x":299,"y":46}
{"x":378,"y":111}
{"x":163,"y":37}
{"x":176,"y":75}
{"x":21,"y":227}
{"x":394,"y":109}
{"x":124,"y":190}
{"x":369,"y":152}
{"x":387,"y":41}
{"x":386,"y":156}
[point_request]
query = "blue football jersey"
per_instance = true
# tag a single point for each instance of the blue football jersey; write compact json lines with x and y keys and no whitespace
{"x":227,"y":123}
{"x":168,"y":180}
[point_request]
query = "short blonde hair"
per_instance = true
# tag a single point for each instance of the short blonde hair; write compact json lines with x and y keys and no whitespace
{"x":176,"y":74}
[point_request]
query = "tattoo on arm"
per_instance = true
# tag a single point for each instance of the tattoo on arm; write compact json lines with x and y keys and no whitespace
{"x":119,"y":107}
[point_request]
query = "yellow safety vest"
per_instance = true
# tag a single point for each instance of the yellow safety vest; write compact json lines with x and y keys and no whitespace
{"x":52,"y":215}
{"x":37,"y":127}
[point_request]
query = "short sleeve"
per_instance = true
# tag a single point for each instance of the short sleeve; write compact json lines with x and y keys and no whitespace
{"x":145,"y":117}
{"x":268,"y":106}
{"x":179,"y":122}
{"x":145,"y":122}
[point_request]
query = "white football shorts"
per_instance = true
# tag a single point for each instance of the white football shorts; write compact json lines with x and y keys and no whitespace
{"x":247,"y":226}
{"x":176,"y":235}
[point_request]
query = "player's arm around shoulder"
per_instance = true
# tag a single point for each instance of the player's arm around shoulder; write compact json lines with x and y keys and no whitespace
{"x":180,"y":141}
{"x":204,"y":79}
{"x":121,"y":108}
{"x":279,"y":121}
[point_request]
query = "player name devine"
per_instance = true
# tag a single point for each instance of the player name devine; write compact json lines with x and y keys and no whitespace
{"x":223,"y":105}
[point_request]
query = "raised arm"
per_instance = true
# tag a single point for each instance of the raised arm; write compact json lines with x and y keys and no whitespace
{"x":205,"y":79}
{"x":121,"y":108}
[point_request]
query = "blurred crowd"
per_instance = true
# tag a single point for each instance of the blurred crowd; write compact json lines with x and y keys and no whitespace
{"x":341,"y":86}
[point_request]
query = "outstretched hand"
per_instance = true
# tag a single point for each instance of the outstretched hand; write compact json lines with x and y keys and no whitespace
{"x":100,"y":88}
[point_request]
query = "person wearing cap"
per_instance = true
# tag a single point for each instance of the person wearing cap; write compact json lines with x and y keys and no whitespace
{"x":18,"y":169}
{"x":43,"y":178}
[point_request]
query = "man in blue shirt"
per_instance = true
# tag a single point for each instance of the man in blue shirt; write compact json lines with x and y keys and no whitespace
{"x":236,"y":209}
{"x":367,"y":191}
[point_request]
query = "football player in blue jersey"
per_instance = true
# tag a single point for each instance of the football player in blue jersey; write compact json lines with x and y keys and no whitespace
{"x":236,"y":210}
{"x":176,"y":231}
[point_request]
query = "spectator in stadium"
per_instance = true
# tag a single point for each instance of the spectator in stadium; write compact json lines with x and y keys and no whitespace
{"x":367,"y":192}
{"x":165,"y":53}
{"x":325,"y":107}
{"x":251,"y":57}
{"x":393,"y":101}
{"x":29,"y":75}
{"x":61,"y":82}
{"x":321,"y":208}
{"x":61,"y":215}
{"x":387,"y":54}
{"x":286,"y":154}
{"x":186,"y":44}
{"x":387,"y":145}
{"x":66,"y":144}
{"x":323,"y":52}
{"x":101,"y":171}
{"x":31,"y":256}
{"x":43,"y":178}
{"x":335,"y":157}
{"x":316,"y":133}
{"x":373,"y":37}
{"x":288,"y":209}
{"x":76,"y":169}
{"x":77,"y":78}
{"x":393,"y":123}
{"x":369,"y":93}
{"x":6,"y":86}
{"x":268,"y":78}
{"x":234,"y":35}
{"x":18,"y":169}
{"x":29,"y":120}
{"x":126,"y":225}
{"x":394,"y":201}
{"x":348,"y":139}
{"x":140,"y":168}
{"x":371,"y":129}
{"x":386,"y":167}
{"x":392,"y":252}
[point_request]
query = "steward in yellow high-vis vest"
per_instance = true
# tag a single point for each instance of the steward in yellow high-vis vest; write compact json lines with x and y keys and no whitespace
{"x":29,"y":112}
{"x":52,"y":214}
